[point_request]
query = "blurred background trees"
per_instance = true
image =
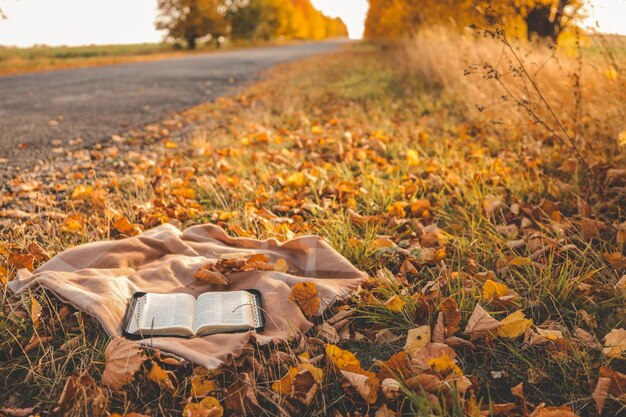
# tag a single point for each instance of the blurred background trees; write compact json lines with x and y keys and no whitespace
{"x":541,"y":19}
{"x":187,"y":21}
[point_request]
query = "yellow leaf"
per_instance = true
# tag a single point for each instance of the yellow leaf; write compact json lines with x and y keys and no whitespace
{"x":444,"y":364}
{"x":35,"y":310}
{"x":284,"y":386}
{"x":297,"y":179}
{"x":344,"y":360}
{"x":395,"y":304}
{"x":81,"y":192}
{"x":417,"y":338}
{"x":201,"y":385}
{"x":161,"y":377}
{"x":317,"y":129}
{"x":514,"y":325}
{"x":170,"y":145}
{"x":73,"y":223}
{"x":208,"y":407}
{"x":412,"y":158}
{"x":281,"y":265}
{"x":493,"y":289}
{"x":397,"y":209}
{"x":4,"y":275}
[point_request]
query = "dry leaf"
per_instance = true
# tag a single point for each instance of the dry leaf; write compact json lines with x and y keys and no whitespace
{"x":618,"y":381}
{"x":240,"y":396}
{"x":424,"y":383}
{"x":18,"y":260}
{"x":561,"y":411}
{"x":38,"y":252}
{"x":123,"y":225}
{"x":600,"y":393}
{"x":83,"y":390}
{"x":514,"y":325}
{"x":208,"y":407}
{"x":344,"y":360}
{"x":201,"y":385}
{"x":209,"y":274}
{"x":451,"y":316}
{"x":123,"y":358}
{"x":615,"y":343}
{"x":493,"y":289}
{"x":305,"y":295}
{"x":416,"y":339}
{"x":365,"y":385}
{"x":480,"y":322}
{"x":35,"y":310}
{"x":161,"y":377}
{"x":281,"y":265}
{"x":390,"y":388}
{"x":395,"y":303}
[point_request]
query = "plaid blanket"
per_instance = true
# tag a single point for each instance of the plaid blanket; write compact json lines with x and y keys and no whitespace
{"x":100,"y":278}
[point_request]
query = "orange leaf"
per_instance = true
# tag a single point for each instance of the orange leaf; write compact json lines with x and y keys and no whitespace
{"x":305,"y":295}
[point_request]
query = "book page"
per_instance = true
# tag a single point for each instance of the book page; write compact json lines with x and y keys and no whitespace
{"x":224,"y":311}
{"x":167,"y":311}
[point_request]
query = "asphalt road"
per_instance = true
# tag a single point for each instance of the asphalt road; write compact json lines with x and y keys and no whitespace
{"x":94,"y":103}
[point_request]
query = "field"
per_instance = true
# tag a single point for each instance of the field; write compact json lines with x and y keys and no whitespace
{"x":492,"y":231}
{"x":45,"y":58}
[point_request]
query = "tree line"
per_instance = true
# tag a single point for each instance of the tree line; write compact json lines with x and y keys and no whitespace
{"x":542,"y":19}
{"x":188,"y":21}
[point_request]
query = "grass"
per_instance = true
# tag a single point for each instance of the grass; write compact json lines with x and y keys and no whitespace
{"x":321,"y":146}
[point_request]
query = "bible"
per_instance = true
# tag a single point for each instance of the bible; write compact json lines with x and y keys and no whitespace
{"x":152,"y":314}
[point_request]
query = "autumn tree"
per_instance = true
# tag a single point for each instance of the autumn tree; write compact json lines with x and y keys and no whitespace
{"x":188,"y":20}
{"x":545,"y":19}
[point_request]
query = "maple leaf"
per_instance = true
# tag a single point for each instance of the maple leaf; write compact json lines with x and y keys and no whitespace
{"x":123,"y":358}
{"x":305,"y":295}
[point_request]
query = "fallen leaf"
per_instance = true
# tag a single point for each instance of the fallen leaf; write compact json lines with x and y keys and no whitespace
{"x":123,"y":225}
{"x":38,"y":252}
{"x":514,"y":325}
{"x":600,"y":393}
{"x":161,"y":377}
{"x":365,"y":385}
{"x":561,"y":411}
{"x":18,"y":260}
{"x":240,"y":396}
{"x":480,"y":322}
{"x":451,"y":315}
{"x":208,"y":407}
{"x":281,"y":265}
{"x":417,"y":338}
{"x":424,"y":383}
{"x":390,"y":388}
{"x":35,"y":310}
{"x":344,"y":360}
{"x":395,"y":304}
{"x":305,"y":295}
{"x":201,"y":385}
{"x":493,"y":289}
{"x":615,"y":343}
{"x":123,"y":358}
{"x":210,"y":275}
{"x":73,"y":224}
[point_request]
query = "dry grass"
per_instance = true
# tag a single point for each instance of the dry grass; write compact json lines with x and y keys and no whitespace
{"x":584,"y":90}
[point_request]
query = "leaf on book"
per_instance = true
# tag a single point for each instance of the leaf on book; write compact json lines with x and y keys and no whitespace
{"x":123,"y":358}
{"x":161,"y":376}
{"x":209,"y":274}
{"x":481,"y":322}
{"x":208,"y":407}
{"x":305,"y":295}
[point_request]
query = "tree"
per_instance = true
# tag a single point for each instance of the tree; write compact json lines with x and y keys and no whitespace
{"x":545,"y":19}
{"x":188,"y":20}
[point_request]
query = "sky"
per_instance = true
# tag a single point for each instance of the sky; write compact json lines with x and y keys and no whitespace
{"x":83,"y":22}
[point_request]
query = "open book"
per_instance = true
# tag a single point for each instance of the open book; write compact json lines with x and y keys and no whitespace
{"x":151,"y":314}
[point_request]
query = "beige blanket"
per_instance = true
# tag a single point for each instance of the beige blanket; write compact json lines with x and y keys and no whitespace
{"x":99,"y":278}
